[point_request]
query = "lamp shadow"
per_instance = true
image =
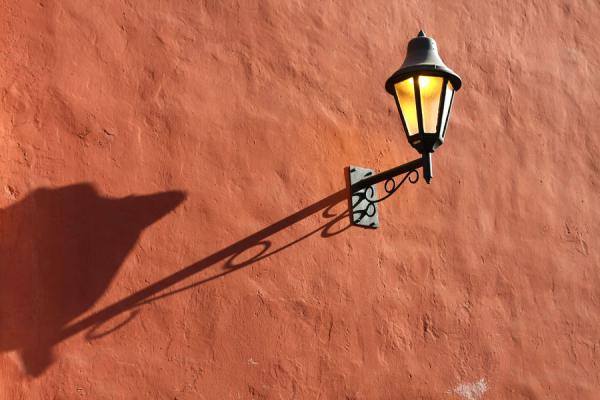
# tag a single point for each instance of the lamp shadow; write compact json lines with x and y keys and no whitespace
{"x":59,"y":250}
{"x":232,"y":257}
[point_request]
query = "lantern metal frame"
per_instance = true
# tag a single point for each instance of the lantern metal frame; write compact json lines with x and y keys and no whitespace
{"x":426,"y":141}
{"x":422,"y":59}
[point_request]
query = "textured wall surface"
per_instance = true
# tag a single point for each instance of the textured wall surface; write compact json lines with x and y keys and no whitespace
{"x":173,"y":216}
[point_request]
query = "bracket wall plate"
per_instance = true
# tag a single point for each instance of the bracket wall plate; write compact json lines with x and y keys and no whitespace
{"x":364,"y":209}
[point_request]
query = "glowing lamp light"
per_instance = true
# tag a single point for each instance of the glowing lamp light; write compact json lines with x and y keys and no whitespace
{"x":424,"y":88}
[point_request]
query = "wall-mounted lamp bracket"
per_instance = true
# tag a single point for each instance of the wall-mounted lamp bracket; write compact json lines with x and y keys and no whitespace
{"x":364,"y":194}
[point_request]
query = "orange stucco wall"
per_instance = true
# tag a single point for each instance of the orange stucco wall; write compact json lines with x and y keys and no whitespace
{"x":174,"y":225}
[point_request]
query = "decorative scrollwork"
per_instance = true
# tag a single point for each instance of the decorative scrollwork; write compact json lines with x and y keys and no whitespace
{"x":391,"y":185}
{"x":367,"y":195}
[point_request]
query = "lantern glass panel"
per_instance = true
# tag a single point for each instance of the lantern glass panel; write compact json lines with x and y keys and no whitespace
{"x":431,"y":92}
{"x":447,"y":104}
{"x":405,"y":92}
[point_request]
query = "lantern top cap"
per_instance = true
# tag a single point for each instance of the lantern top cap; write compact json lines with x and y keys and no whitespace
{"x":422,"y":56}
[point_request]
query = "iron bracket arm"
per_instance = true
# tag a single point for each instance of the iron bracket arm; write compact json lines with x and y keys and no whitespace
{"x":362,"y":187}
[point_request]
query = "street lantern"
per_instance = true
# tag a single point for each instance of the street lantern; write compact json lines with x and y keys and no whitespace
{"x":423,"y":88}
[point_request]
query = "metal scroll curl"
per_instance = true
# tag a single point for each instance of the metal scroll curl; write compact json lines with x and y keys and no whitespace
{"x":367,"y":198}
{"x":364,"y":196}
{"x":390,"y":186}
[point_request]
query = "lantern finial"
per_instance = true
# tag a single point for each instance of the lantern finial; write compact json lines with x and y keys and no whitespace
{"x":422,"y":57}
